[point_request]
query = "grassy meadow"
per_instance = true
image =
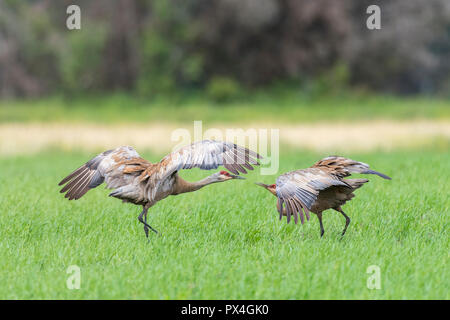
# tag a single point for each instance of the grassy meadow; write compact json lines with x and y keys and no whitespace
{"x":286,"y":107}
{"x":225,"y":241}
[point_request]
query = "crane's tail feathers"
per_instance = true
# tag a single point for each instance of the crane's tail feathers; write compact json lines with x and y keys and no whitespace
{"x":377,"y":173}
{"x":344,"y":167}
{"x":126,"y":193}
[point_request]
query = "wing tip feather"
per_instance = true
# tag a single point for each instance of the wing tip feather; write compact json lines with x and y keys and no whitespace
{"x":382,"y":175}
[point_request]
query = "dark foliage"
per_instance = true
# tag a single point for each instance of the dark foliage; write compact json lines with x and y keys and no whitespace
{"x":151,"y":46}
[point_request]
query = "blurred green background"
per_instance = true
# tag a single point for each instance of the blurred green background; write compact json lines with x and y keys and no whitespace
{"x":224,"y":50}
{"x":246,"y":63}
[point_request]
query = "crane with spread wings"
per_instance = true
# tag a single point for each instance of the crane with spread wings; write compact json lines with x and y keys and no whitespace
{"x":136,"y":180}
{"x":318,"y":188}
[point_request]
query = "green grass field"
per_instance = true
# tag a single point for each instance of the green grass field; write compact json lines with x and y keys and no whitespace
{"x":288,"y":107}
{"x":225,"y":241}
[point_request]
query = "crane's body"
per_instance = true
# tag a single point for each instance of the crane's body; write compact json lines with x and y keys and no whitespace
{"x":318,"y":188}
{"x":136,"y":180}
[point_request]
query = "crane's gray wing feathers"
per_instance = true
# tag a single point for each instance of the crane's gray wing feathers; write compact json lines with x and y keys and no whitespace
{"x":344,"y":167}
{"x":210,"y":154}
{"x":298,"y":190}
{"x":206,"y":155}
{"x":103,"y":167}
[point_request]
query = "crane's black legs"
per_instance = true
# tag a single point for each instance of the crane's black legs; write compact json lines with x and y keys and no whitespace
{"x":146,"y":225}
{"x":322,"y":231}
{"x":347,"y":219}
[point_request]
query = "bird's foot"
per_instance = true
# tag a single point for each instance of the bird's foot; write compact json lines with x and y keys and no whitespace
{"x":146,"y":228}
{"x":154,"y":230}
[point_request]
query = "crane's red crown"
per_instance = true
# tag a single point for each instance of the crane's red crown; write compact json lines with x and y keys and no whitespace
{"x":225,"y":173}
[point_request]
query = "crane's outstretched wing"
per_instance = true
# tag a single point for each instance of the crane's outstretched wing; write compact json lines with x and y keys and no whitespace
{"x":298,"y":190}
{"x":210,"y":154}
{"x":206,"y":155}
{"x":343,"y":167}
{"x":118,"y":167}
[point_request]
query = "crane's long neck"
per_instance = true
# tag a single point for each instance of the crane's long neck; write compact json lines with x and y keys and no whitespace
{"x":183,"y":186}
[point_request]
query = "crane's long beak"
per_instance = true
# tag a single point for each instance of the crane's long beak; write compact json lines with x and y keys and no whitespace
{"x":236,"y":177}
{"x":261,"y":184}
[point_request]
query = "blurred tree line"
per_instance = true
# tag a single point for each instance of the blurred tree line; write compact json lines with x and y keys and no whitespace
{"x":159,"y":46}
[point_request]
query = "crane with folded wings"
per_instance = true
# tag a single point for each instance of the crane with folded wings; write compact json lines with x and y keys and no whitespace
{"x":140,"y":182}
{"x":318,"y":188}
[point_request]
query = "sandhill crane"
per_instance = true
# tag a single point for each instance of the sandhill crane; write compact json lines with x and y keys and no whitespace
{"x":140,"y":182}
{"x":318,"y":188}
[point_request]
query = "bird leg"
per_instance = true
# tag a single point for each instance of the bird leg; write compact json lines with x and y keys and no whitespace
{"x":347,"y":219}
{"x":145,"y":220}
{"x":322,"y":231}
{"x":146,"y":225}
